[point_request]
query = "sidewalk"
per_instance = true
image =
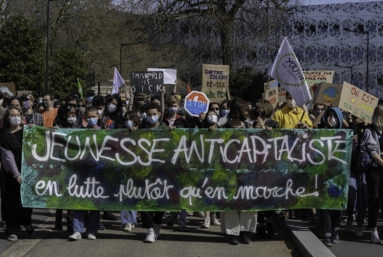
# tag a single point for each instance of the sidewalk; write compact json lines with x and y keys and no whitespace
{"x":114,"y":242}
{"x":305,"y":237}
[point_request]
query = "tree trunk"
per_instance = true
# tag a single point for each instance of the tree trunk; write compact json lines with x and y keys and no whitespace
{"x":226,"y":30}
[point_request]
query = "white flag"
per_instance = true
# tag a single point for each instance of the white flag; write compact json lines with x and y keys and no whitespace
{"x":288,"y":72}
{"x":117,"y":81}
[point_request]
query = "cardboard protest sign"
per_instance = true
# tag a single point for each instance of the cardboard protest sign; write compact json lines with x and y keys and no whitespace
{"x":170,"y":75}
{"x":215,"y":81}
{"x":318,"y":76}
{"x":281,"y":94}
{"x":20,"y":93}
{"x":147,"y":82}
{"x":270,"y":84}
{"x":358,"y":102}
{"x":271,"y":95}
{"x":328,"y":93}
{"x":193,"y":169}
{"x":8,"y":88}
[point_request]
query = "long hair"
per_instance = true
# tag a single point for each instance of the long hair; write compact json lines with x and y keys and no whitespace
{"x":377,"y":116}
{"x":6,"y":124}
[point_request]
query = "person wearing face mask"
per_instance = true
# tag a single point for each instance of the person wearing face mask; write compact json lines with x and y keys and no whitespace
{"x":67,"y":117}
{"x":11,"y":152}
{"x":292,"y":116}
{"x":330,"y":220}
{"x":103,"y":121}
{"x":31,"y":116}
{"x":172,"y":105}
{"x":92,"y":217}
{"x":374,"y":144}
{"x":128,"y":217}
{"x":238,"y":226}
{"x":112,"y":107}
{"x":89,"y":97}
{"x":50,"y":113}
{"x":318,"y":109}
{"x":153,"y":114}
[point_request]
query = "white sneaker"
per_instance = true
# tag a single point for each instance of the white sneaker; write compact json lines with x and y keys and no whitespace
{"x":12,"y":238}
{"x":157,"y":229}
{"x":358,"y":231}
{"x":91,"y":236}
{"x":128,"y":227}
{"x":76,"y":236}
{"x":348,"y":227}
{"x":214,"y":221}
{"x":206,"y":224}
{"x":150,"y":237}
{"x":375,"y":238}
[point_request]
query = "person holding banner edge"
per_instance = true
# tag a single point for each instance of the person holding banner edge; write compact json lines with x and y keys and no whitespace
{"x":11,"y":151}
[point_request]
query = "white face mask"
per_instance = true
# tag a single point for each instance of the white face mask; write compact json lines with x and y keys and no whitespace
{"x":291,"y":103}
{"x":72,"y":120}
{"x":112,"y":108}
{"x":15,"y":120}
{"x":1,"y":101}
{"x":212,"y":119}
{"x":333,"y":122}
{"x":100,"y":112}
{"x":172,"y":110}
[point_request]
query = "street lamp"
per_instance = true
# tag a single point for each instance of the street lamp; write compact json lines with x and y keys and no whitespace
{"x":368,"y":50}
{"x":351,"y":71}
{"x":122,"y":44}
{"x":47,"y":52}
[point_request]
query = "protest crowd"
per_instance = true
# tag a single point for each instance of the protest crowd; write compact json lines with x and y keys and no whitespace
{"x":132,"y":112}
{"x":154,"y":112}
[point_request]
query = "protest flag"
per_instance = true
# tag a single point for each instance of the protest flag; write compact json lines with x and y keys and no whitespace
{"x":117,"y":81}
{"x":188,"y":86}
{"x":79,"y":88}
{"x":288,"y":72}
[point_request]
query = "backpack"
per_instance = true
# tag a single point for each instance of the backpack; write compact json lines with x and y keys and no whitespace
{"x":361,"y":161}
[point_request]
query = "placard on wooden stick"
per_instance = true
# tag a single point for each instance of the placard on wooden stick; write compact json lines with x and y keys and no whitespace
{"x":328,"y":93}
{"x":271,"y":95}
{"x":358,"y":102}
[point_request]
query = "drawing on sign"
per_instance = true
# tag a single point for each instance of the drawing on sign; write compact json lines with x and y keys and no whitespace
{"x":147,"y":81}
{"x":196,"y":102}
{"x":331,"y":94}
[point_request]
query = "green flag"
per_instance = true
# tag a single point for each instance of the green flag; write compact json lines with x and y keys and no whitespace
{"x":79,"y":88}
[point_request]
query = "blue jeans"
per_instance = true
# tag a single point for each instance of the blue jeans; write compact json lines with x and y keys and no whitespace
{"x":182,"y":218}
{"x":128,"y":217}
{"x":93,"y":220}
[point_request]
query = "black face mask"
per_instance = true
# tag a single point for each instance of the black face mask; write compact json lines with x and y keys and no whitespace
{"x":242,"y":117}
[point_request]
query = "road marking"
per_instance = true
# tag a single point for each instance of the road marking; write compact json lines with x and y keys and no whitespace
{"x":23,"y":246}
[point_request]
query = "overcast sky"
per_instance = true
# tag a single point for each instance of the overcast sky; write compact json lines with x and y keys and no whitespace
{"x":315,"y":2}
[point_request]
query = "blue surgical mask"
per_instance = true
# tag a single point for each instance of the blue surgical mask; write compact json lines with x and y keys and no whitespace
{"x":92,"y":122}
{"x":152,"y":120}
{"x":89,"y":99}
{"x":172,"y":110}
{"x":225,"y":112}
{"x":26,"y":105}
{"x":129,"y":124}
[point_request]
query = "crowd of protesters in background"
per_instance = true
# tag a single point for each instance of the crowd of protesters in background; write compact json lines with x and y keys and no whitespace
{"x":132,"y":112}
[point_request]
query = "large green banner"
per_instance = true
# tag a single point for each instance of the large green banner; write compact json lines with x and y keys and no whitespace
{"x":193,"y":169}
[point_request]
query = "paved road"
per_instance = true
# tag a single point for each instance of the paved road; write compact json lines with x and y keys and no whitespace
{"x":351,"y":245}
{"x":113,"y":242}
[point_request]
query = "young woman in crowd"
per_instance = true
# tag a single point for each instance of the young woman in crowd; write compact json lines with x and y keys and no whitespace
{"x":67,"y":117}
{"x":374,"y":144}
{"x":129,"y":218}
{"x":93,"y":217}
{"x":330,"y":220}
{"x":11,"y":151}
{"x":238,"y":224}
{"x":262,"y":114}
